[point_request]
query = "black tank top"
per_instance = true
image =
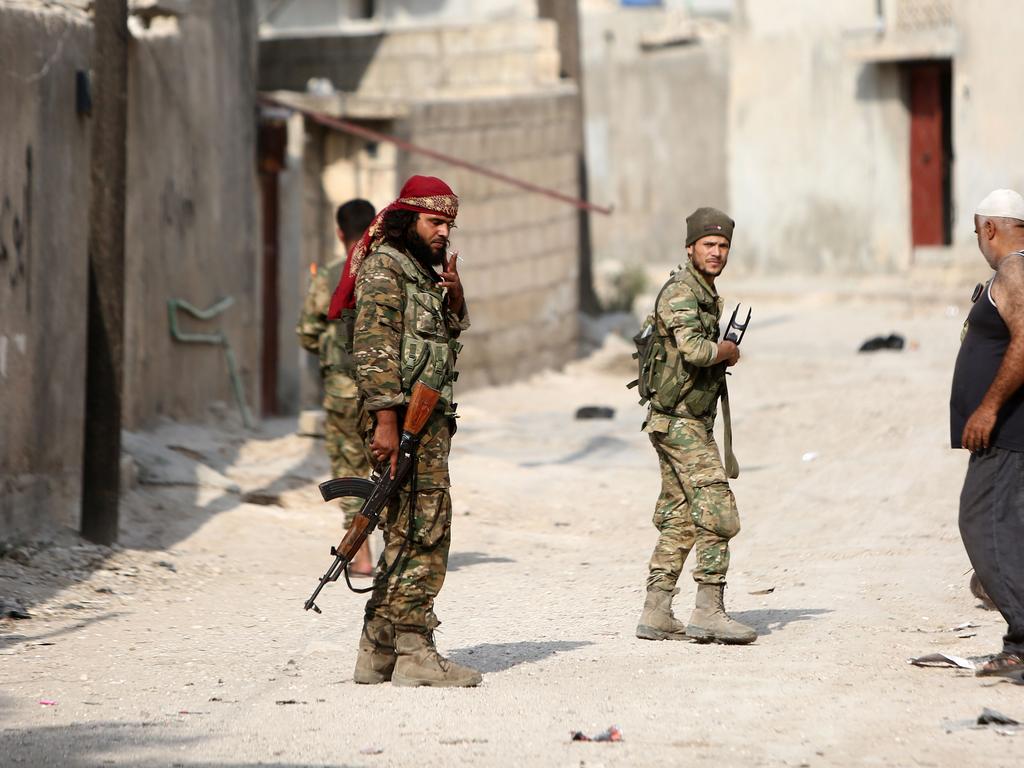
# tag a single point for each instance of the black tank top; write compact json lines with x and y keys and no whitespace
{"x":981,"y":354}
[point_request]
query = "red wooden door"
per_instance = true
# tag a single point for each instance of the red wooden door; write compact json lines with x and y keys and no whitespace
{"x":928,"y":162}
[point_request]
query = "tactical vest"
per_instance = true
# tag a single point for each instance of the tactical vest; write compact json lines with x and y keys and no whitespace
{"x":428,"y":351}
{"x":336,"y":340}
{"x":672,"y":385}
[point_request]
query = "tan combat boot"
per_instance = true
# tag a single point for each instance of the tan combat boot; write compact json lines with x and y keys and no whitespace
{"x":656,"y":620}
{"x":709,"y":623}
{"x":419,"y":663}
{"x":376,"y":658}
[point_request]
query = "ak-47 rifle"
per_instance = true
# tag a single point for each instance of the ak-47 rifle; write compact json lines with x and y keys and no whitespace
{"x":380,"y":489}
{"x":734,"y":332}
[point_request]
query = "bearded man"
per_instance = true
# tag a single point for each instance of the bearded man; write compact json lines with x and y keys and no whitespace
{"x":408,"y":318}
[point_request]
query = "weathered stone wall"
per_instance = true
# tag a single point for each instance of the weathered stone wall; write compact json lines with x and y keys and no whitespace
{"x":487,"y":94}
{"x":519,"y":250}
{"x":44,"y":198}
{"x":338,"y":14}
{"x":656,"y":111}
{"x":192,"y":229}
{"x":987,"y":109}
{"x":337,"y":167}
{"x":828,"y":187}
{"x":817,"y":143}
{"x":191,"y":233}
{"x":416,"y":63}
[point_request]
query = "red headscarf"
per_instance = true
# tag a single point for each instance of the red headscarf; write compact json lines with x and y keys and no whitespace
{"x":422,"y":194}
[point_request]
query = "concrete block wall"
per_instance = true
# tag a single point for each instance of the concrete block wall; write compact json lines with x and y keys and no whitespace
{"x":417,"y":63}
{"x":519,"y":251}
{"x":330,"y":169}
{"x":44,"y":197}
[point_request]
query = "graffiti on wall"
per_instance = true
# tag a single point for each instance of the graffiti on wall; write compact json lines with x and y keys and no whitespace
{"x":15,"y":239}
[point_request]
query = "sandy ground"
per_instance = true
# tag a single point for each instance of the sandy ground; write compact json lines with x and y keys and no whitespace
{"x":188,"y":645}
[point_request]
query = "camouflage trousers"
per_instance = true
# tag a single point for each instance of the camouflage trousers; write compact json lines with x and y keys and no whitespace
{"x":406,"y":598}
{"x":345,"y":448}
{"x":696,"y":508}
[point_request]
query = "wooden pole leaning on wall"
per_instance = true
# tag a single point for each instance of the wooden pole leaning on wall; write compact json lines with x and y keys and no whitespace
{"x":101,"y":463}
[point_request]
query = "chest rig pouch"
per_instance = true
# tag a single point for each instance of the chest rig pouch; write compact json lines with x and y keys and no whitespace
{"x":428,"y":351}
{"x":675,"y":382}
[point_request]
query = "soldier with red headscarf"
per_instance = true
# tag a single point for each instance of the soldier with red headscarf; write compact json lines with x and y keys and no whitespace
{"x":410,"y":310}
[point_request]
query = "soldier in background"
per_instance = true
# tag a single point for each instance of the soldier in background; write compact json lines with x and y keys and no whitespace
{"x":696,"y":508}
{"x":332,"y":342}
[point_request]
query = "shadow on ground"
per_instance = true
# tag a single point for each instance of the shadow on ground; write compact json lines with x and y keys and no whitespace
{"x":467,"y":559}
{"x":46,"y":638}
{"x":768,"y":620}
{"x":597,"y":444}
{"x":497,"y":657}
{"x":187,"y":475}
{"x":150,"y":744}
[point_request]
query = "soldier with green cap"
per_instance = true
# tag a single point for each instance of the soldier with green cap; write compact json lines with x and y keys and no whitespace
{"x":696,"y":508}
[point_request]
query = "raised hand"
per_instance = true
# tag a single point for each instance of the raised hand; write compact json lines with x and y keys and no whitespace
{"x":450,"y":279}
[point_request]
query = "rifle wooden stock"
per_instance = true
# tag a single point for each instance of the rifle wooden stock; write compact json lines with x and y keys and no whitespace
{"x":421,"y":405}
{"x":354,"y":537}
{"x":380,"y":489}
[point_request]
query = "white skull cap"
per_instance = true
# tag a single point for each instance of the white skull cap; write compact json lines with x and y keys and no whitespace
{"x":1003,"y":203}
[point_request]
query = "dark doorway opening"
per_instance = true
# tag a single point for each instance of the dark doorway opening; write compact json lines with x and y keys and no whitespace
{"x":273,"y":139}
{"x":930,"y":95}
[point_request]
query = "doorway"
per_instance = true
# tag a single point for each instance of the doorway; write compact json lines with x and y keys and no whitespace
{"x":929,"y":87}
{"x":273,"y":138}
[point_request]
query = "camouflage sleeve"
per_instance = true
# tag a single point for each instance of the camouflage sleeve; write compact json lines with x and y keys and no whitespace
{"x":457,"y":322}
{"x":380,"y":300}
{"x":678,"y":311}
{"x":313,"y":320}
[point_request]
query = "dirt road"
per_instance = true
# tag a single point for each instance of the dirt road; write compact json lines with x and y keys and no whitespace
{"x":190,"y":647}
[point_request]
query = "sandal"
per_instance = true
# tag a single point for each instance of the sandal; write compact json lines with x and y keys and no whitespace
{"x":1002,"y":665}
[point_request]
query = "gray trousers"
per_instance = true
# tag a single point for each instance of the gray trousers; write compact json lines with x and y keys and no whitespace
{"x":992,"y":528}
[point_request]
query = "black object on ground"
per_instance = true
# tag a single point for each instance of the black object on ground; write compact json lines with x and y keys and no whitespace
{"x":12,"y":609}
{"x":992,"y":717}
{"x":595,"y":412}
{"x":875,"y":343}
{"x":612,"y":734}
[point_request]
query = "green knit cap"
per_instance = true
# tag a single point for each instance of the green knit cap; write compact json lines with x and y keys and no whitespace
{"x":708,"y":221}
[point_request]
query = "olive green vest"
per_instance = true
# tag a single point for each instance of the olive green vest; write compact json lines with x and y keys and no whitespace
{"x":685,"y":389}
{"x":428,"y":351}
{"x":336,"y":340}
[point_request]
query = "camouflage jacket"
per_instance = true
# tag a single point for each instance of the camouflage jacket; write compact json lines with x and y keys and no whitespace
{"x":404,"y":331}
{"x":329,"y":340}
{"x":687,"y":317}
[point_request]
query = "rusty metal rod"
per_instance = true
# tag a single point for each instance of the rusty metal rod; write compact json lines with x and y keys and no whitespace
{"x":346,"y":126}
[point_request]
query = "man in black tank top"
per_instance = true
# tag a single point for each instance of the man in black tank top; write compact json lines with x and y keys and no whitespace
{"x":987,"y":418}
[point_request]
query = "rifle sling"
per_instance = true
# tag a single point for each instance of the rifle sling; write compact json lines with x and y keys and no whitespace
{"x":400,"y":558}
{"x":732,"y":466}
